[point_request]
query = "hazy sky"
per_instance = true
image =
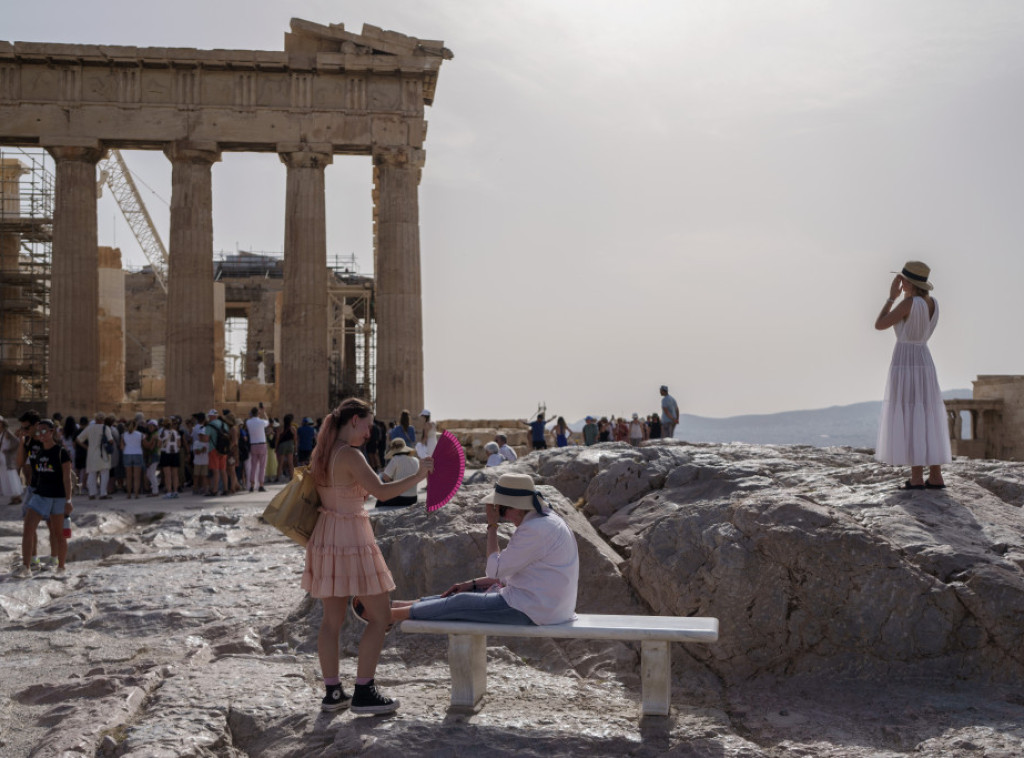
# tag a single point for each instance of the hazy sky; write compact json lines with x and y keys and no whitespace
{"x":619,"y":195}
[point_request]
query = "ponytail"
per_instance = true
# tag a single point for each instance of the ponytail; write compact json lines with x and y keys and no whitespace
{"x":326,"y":440}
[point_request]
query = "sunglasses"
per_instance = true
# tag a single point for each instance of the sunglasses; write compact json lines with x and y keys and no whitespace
{"x":502,"y":510}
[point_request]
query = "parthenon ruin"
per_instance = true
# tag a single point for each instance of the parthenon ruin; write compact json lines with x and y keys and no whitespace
{"x":329,"y":92}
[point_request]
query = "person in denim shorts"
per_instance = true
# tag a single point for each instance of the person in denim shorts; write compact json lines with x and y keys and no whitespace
{"x":51,"y":497}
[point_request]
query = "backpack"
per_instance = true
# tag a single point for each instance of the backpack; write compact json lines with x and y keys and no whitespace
{"x":106,"y":444}
{"x":223,"y":443}
{"x":243,"y":444}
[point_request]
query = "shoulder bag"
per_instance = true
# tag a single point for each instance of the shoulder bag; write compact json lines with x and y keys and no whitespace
{"x":295,"y":509}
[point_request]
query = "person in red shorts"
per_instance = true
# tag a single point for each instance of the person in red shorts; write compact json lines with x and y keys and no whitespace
{"x":218,"y":462}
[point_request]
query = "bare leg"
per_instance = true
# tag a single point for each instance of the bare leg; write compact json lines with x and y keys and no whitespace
{"x":28,"y":536}
{"x":57,"y":539}
{"x":327,"y":642}
{"x":916,"y":475}
{"x":400,"y":613}
{"x":378,"y":617}
{"x":935,"y":475}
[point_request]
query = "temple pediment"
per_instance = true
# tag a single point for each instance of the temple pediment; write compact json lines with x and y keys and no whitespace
{"x":310,"y":37}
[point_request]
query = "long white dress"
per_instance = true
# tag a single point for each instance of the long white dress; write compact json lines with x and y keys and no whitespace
{"x":914,"y":430}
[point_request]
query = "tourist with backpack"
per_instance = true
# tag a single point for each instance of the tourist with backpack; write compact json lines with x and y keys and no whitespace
{"x":220,"y":445}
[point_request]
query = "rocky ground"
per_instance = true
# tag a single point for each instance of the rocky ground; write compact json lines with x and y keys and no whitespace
{"x":856,"y":620}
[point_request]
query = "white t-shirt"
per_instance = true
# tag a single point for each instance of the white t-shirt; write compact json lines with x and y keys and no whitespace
{"x":133,"y":443}
{"x":495,"y":459}
{"x":257,"y":429}
{"x":400,"y":467}
{"x":636,"y":430}
{"x":508,"y":453}
{"x":200,"y":453}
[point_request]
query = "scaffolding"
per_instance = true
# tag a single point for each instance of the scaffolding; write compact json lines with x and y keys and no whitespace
{"x":26,"y":255}
{"x":352,"y":334}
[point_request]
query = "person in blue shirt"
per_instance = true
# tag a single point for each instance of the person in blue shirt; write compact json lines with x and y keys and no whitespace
{"x":306,"y":434}
{"x":404,"y":431}
{"x":537,"y":432}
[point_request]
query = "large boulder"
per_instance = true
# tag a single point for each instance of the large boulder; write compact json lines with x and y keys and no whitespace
{"x":812,"y":559}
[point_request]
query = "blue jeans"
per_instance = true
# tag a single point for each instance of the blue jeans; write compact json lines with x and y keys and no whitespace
{"x":486,"y":607}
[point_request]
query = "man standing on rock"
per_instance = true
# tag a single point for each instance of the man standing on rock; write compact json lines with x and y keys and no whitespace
{"x":669,"y":414}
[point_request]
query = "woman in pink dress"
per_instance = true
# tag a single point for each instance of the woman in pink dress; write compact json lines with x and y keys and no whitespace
{"x":342,"y":557}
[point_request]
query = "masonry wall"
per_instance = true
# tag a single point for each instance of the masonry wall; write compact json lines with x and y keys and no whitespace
{"x":1010,"y":389}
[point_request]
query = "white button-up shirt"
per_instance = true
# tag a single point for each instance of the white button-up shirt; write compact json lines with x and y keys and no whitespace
{"x":539,"y":569}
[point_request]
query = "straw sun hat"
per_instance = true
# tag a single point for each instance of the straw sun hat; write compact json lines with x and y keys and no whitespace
{"x":516,"y":491}
{"x":916,"y":273}
{"x":397,"y":446}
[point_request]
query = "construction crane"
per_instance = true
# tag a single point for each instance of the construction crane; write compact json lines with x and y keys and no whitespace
{"x":113,"y":172}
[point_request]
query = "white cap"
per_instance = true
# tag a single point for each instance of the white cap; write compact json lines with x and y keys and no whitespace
{"x":425,"y":412}
{"x":213,"y":412}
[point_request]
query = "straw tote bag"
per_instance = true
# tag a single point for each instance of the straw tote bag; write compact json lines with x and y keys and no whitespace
{"x":295,"y":509}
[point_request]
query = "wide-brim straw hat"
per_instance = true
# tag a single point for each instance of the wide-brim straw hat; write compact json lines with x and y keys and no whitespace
{"x":917,"y":274}
{"x":397,"y":446}
{"x":516,"y":491}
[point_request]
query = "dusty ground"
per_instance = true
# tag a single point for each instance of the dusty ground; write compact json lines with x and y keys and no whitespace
{"x":182,"y":631}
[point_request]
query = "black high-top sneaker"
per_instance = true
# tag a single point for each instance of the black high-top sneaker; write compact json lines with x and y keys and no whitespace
{"x":335,"y":699}
{"x":368,"y":699}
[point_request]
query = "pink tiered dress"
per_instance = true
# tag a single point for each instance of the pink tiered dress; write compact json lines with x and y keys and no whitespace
{"x":342,"y":557}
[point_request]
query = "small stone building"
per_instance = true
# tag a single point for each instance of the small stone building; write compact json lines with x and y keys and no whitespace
{"x":994,"y":419}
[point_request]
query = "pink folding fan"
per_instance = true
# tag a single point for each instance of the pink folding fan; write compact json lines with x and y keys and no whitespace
{"x":449,"y":468}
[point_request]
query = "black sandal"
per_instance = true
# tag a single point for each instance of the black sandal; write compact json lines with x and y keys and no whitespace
{"x":908,"y":486}
{"x":930,"y":486}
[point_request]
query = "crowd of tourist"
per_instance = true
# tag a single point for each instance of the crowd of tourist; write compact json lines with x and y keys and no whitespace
{"x":212,"y":453}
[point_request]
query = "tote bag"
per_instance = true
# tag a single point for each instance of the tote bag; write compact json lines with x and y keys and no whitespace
{"x":295,"y":509}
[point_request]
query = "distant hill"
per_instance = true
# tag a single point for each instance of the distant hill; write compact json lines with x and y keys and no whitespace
{"x":854,"y":425}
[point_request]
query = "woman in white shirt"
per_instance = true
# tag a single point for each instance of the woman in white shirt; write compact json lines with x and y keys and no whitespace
{"x":131,"y":449}
{"x":494,"y":456}
{"x":401,"y":465}
{"x":532,"y":581}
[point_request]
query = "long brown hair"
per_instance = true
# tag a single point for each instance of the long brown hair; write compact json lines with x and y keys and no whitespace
{"x":320,"y":461}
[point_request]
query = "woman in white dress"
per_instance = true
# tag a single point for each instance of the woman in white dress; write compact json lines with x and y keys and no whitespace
{"x":914,"y":429}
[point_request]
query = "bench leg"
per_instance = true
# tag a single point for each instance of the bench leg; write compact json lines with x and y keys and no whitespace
{"x":467,"y":659}
{"x":656,"y":677}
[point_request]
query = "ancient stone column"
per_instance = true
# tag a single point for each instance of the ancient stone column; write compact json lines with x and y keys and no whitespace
{"x":399,"y":311}
{"x":74,"y":367}
{"x":302,"y":381}
{"x":190,"y":323}
{"x":111,"y":327}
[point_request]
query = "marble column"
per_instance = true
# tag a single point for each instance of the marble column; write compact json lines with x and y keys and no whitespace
{"x":399,"y":310}
{"x":110,"y":316}
{"x":302,"y":383}
{"x":74,"y":363}
{"x":191,"y":343}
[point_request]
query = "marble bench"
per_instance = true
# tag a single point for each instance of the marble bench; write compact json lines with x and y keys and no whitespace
{"x":467,"y":648}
